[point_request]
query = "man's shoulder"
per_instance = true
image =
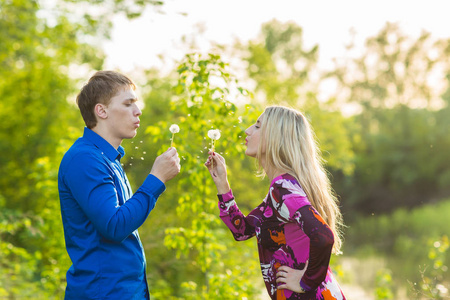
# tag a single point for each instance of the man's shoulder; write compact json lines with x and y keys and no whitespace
{"x":81,"y":152}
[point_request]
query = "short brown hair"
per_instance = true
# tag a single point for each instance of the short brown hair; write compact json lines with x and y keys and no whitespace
{"x":100,"y":88}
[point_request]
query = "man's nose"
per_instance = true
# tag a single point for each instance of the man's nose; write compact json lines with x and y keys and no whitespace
{"x":137,"y":112}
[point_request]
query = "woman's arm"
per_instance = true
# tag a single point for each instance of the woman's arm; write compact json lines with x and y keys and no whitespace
{"x":230,"y":214}
{"x":321,"y":244}
{"x":229,"y":211}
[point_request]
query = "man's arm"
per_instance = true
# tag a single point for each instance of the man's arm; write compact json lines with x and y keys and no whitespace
{"x":91,"y":182}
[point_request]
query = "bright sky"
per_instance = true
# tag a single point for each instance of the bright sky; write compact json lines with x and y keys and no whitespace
{"x":138,"y":43}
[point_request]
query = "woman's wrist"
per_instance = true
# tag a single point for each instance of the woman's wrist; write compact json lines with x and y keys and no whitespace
{"x":223,"y":189}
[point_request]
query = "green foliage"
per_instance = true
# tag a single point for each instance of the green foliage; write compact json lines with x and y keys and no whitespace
{"x":279,"y":63}
{"x":34,"y":113}
{"x":38,"y":50}
{"x":383,"y":283}
{"x":12,"y":280}
{"x":392,"y":153}
{"x":204,"y":101}
{"x":33,"y":256}
{"x":400,"y":135}
{"x":434,"y":276}
{"x":394,"y":70}
{"x":400,"y":238}
{"x":283,"y":71}
{"x":387,"y":173}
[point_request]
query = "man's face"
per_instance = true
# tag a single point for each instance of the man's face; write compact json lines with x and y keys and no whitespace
{"x":123,"y":114}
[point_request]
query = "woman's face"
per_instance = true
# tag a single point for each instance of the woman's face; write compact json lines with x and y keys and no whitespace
{"x":253,"y":138}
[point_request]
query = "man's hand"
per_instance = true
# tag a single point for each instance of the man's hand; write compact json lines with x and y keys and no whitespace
{"x":167,"y":165}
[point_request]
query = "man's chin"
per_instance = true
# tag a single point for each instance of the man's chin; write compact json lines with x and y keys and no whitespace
{"x":131,"y":135}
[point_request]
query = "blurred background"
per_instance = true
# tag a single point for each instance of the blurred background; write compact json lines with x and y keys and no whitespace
{"x":372,"y":78}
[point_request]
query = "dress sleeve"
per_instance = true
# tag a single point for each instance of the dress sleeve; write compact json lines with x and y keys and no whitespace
{"x":321,"y":245}
{"x":230,"y":214}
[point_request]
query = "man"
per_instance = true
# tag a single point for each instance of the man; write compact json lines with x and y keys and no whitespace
{"x":100,"y":213}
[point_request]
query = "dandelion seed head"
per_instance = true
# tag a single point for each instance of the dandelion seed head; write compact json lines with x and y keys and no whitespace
{"x":214,"y":134}
{"x":174,"y":128}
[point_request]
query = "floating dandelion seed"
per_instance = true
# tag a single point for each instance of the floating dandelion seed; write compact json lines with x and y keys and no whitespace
{"x":174,"y":128}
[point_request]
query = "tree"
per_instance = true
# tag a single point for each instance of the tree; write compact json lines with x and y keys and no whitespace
{"x":285,"y":73}
{"x":40,"y":49}
{"x":204,"y":100}
{"x":397,"y":84}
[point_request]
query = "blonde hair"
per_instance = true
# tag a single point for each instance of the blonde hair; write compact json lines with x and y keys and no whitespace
{"x":290,"y":146}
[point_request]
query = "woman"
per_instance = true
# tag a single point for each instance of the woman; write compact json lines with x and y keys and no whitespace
{"x":297,"y":224}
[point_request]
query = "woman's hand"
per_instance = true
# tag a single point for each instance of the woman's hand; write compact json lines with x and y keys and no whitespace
{"x":218,"y":170}
{"x":288,"y":278}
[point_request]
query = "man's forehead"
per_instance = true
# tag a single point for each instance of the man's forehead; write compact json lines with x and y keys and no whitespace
{"x":126,"y":94}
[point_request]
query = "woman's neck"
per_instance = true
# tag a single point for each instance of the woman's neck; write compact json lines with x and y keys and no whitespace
{"x":272,"y":174}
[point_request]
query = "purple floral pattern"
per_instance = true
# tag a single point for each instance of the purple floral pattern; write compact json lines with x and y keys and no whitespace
{"x":289,"y":232}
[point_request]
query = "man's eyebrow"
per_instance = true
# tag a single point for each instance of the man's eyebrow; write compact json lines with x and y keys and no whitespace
{"x":131,"y":99}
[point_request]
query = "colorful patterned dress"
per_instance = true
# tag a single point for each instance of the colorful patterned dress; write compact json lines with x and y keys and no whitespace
{"x":289,"y":232}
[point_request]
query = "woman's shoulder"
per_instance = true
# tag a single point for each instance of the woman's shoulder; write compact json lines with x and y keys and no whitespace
{"x":285,"y":187}
{"x":288,"y":183}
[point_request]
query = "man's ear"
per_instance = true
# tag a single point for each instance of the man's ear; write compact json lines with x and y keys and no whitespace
{"x":100,"y":111}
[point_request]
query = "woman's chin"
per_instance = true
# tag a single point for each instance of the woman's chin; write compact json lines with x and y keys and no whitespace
{"x":249,"y":153}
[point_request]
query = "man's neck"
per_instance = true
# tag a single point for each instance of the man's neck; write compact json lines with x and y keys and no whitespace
{"x":115,"y":142}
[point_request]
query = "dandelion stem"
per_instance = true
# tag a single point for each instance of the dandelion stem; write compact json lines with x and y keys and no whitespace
{"x":212,"y":149}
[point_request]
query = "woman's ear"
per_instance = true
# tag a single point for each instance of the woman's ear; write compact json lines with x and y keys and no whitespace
{"x":100,"y":111}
